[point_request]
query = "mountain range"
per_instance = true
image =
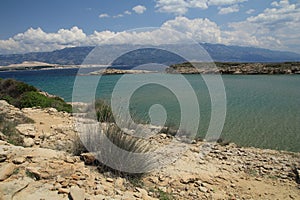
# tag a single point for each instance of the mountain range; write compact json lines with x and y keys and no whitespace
{"x":218,"y":53}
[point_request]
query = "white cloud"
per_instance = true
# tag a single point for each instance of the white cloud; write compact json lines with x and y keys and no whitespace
{"x":103,"y":15}
{"x":202,"y":30}
{"x":224,"y":2}
{"x":230,"y":9}
{"x":38,"y":40}
{"x":250,"y":11}
{"x":127,"y":12}
{"x":275,"y":28}
{"x":199,"y":29}
{"x":118,"y":16}
{"x":139,"y":9}
{"x":181,"y":7}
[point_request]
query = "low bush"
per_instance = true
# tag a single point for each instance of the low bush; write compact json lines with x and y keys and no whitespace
{"x":23,"y":95}
{"x":36,"y":99}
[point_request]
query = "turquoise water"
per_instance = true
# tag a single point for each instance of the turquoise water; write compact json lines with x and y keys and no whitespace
{"x":262,"y":110}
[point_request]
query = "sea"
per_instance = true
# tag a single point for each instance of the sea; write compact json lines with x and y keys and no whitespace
{"x":261,"y":110}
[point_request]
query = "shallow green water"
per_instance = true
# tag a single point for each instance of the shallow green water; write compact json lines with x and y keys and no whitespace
{"x":262,"y":110}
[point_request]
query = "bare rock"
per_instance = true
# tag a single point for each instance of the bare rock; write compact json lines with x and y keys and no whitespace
{"x":143,"y":192}
{"x":203,"y":189}
{"x":33,"y":173}
{"x":19,"y":160}
{"x":195,"y":149}
{"x":110,"y":180}
{"x":9,"y":189}
{"x":88,"y":158}
{"x":28,"y":142}
{"x":76,"y":193}
{"x":63,"y":191}
{"x":27,"y":130}
{"x":187,"y":180}
{"x":3,"y":157}
{"x":119,"y":183}
{"x":6,"y":171}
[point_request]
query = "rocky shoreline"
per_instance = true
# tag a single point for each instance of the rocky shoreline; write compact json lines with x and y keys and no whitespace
{"x":111,"y":71}
{"x":45,"y":168}
{"x":183,"y":68}
{"x":235,"y":68}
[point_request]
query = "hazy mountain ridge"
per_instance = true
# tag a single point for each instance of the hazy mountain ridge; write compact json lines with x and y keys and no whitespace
{"x":218,"y":52}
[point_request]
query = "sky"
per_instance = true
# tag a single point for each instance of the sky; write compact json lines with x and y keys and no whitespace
{"x":44,"y":25}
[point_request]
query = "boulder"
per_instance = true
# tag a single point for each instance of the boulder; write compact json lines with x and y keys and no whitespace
{"x":6,"y":171}
{"x":76,"y":193}
{"x":28,"y":142}
{"x":19,"y":160}
{"x":27,"y":130}
{"x":88,"y":158}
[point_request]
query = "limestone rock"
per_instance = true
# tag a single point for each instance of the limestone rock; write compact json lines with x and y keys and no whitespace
{"x":3,"y":157}
{"x":34,"y":173}
{"x":6,"y":171}
{"x":38,"y":191}
{"x":88,"y":158}
{"x":28,"y":142}
{"x":19,"y":160}
{"x":9,"y":189}
{"x":76,"y":193}
{"x":63,"y":191}
{"x":27,"y":130}
{"x":110,"y":180}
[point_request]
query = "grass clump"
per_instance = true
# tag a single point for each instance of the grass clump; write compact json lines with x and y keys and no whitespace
{"x":8,"y":128}
{"x":161,"y":195}
{"x":103,"y":111}
{"x":115,"y":152}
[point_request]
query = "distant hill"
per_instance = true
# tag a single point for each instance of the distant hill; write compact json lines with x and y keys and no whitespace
{"x":224,"y":53}
{"x":67,"y":56}
{"x":218,"y":52}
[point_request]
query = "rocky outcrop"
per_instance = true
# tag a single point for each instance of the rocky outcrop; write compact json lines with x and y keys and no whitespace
{"x":235,"y":68}
{"x":111,"y":71}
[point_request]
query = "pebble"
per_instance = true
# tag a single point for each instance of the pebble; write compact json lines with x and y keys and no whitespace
{"x":3,"y":157}
{"x":63,"y":191}
{"x":110,"y":180}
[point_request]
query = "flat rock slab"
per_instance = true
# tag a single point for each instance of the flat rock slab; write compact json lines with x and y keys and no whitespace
{"x":6,"y":171}
{"x":27,"y":130}
{"x":77,"y":193}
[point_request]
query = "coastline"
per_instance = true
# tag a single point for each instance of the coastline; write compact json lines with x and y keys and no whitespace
{"x":183,"y":68}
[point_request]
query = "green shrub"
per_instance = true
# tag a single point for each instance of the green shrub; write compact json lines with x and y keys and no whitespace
{"x":23,"y":95}
{"x":13,"y":88}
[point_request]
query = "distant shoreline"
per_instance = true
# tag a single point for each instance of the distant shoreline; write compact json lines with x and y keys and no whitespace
{"x":233,"y":68}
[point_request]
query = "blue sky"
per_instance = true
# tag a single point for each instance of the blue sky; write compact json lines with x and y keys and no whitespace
{"x":44,"y":25}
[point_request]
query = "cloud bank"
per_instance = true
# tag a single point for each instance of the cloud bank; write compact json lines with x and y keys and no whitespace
{"x":181,"y":7}
{"x":276,"y":28}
